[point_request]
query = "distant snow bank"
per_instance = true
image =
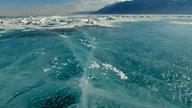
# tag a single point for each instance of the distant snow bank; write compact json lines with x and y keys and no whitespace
{"x":52,"y":22}
{"x":181,"y":22}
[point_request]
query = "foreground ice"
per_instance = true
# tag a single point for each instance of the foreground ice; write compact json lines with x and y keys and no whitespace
{"x":143,"y":63}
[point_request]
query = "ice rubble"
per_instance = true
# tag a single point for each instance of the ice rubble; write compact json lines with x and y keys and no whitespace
{"x":51,"y":22}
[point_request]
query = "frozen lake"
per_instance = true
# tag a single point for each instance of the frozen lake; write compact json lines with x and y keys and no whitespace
{"x":134,"y":64}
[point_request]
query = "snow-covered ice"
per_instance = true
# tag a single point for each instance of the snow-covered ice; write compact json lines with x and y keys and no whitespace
{"x":51,"y":22}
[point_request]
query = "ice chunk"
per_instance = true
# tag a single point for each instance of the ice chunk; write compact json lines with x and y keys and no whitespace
{"x":111,"y":18}
{"x":26,"y":21}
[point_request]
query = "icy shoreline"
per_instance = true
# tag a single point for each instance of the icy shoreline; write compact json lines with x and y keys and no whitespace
{"x":52,"y":22}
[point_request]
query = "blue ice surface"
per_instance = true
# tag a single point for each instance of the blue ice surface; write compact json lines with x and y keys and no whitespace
{"x":134,"y":65}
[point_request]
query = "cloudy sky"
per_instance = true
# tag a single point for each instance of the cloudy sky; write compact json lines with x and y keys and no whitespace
{"x":49,"y":7}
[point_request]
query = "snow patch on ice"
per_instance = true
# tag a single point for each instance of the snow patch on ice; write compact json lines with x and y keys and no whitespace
{"x":89,"y":45}
{"x":46,"y":69}
{"x":93,"y":65}
{"x":181,"y":23}
{"x":2,"y":32}
{"x":119,"y":72}
{"x":63,"y":36}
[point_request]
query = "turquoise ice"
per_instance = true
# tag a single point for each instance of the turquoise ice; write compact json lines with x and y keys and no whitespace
{"x":145,"y":64}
